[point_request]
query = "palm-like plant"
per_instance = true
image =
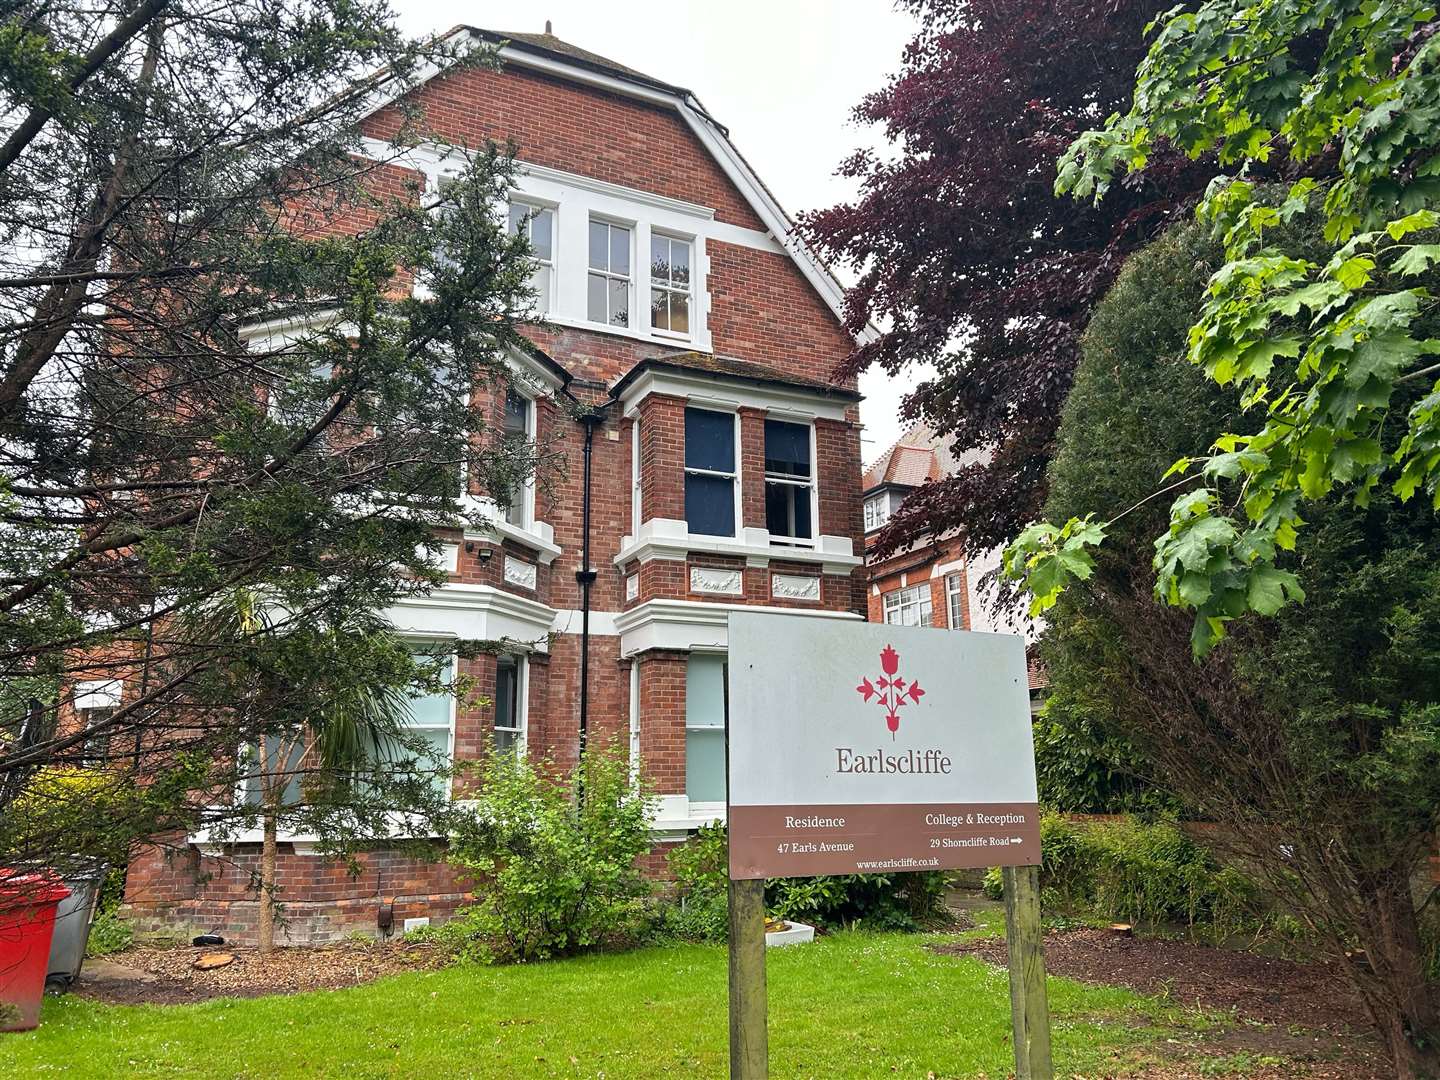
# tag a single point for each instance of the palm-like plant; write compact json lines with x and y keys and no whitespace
{"x":323,"y":707}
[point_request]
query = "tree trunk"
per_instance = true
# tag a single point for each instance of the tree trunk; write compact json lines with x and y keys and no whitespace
{"x":1396,"y":993}
{"x":270,"y":789}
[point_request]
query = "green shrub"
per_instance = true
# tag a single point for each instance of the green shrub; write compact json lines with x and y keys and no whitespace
{"x":554,"y":873}
{"x":702,"y":917}
{"x":697,"y":911}
{"x":109,"y":934}
{"x":1137,"y":871}
{"x":874,"y":901}
{"x":701,"y":865}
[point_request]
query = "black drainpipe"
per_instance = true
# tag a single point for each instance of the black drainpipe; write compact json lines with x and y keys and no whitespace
{"x":585,"y":577}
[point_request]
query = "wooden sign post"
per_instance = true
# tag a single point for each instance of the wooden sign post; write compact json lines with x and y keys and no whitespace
{"x":856,"y":748}
{"x":749,"y":1033}
{"x":1029,"y":1008}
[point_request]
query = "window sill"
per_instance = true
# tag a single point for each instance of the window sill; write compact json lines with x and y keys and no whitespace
{"x":675,"y":817}
{"x":697,"y":343}
{"x":667,"y":538}
{"x":539,"y":536}
{"x":401,"y":827}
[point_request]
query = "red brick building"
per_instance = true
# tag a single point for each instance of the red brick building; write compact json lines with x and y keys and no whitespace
{"x":928,"y":583}
{"x":724,"y":468}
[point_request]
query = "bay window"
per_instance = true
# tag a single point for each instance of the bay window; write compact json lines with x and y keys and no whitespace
{"x":789,"y":482}
{"x":608,"y":288}
{"x":710,"y":472}
{"x":909,"y":607}
{"x":537,"y":224}
{"x":705,"y":728}
{"x":670,"y":284}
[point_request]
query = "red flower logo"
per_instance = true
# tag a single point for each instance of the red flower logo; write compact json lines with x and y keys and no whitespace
{"x":890,"y":691}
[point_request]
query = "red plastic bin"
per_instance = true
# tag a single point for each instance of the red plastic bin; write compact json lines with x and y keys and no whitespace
{"x":27,"y":921}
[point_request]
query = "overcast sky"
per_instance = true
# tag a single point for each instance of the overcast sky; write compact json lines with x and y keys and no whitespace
{"x":782,"y":75}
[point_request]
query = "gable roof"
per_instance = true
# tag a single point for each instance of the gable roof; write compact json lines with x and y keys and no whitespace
{"x":563,"y":50}
{"x":549,"y":54}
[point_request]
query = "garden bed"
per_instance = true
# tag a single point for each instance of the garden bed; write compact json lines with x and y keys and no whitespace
{"x":165,"y":975}
{"x":1305,"y":1014}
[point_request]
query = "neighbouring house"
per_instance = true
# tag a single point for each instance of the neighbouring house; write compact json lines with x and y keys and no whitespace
{"x":928,"y":582}
{"x":725,"y":466}
{"x":931,"y":582}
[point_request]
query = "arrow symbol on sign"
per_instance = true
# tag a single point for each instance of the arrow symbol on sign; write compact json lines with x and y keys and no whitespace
{"x":1016,"y":840}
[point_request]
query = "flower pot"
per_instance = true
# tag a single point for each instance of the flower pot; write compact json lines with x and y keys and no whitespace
{"x":795,"y":933}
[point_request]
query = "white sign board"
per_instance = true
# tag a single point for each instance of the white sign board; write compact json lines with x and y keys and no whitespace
{"x":868,"y":748}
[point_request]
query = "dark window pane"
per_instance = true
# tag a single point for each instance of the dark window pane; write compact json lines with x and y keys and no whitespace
{"x":710,"y":504}
{"x":659,"y":258}
{"x":659,"y":313}
{"x":599,"y":245}
{"x":507,"y":692}
{"x":709,"y":440}
{"x":679,"y":263}
{"x":787,"y":510}
{"x":680,"y":312}
{"x":540,"y":233}
{"x":619,"y":250}
{"x":595,"y":308}
{"x":619,"y":303}
{"x":517,"y":413}
{"x":787,"y":448}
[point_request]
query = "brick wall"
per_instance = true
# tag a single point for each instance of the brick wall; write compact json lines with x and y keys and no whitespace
{"x":576,"y":128}
{"x":662,"y":735}
{"x":322,"y":900}
{"x":762,"y":310}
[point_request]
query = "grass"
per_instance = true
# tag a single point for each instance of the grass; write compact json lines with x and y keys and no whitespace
{"x":851,"y":1005}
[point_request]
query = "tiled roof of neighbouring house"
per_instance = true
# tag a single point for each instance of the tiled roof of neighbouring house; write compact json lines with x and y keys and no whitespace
{"x":904,"y":465}
{"x":729,"y":366}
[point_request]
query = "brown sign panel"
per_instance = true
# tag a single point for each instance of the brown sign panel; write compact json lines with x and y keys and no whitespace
{"x":883,"y":838}
{"x":864,"y":748}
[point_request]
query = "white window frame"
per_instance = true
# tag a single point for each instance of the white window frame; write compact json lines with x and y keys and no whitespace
{"x":522,"y":702}
{"x":535,"y":206}
{"x":880,"y":505}
{"x":667,"y":287}
{"x":813,"y":484}
{"x":897,"y":601}
{"x":609,"y":275}
{"x":526,"y":502}
{"x":955,"y":600}
{"x":737,"y":456}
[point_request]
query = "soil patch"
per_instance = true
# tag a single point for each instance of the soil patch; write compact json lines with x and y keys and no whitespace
{"x":1295,"y":1019}
{"x":165,"y":976}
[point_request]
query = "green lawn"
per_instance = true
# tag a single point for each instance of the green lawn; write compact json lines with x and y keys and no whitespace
{"x":851,"y":1005}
